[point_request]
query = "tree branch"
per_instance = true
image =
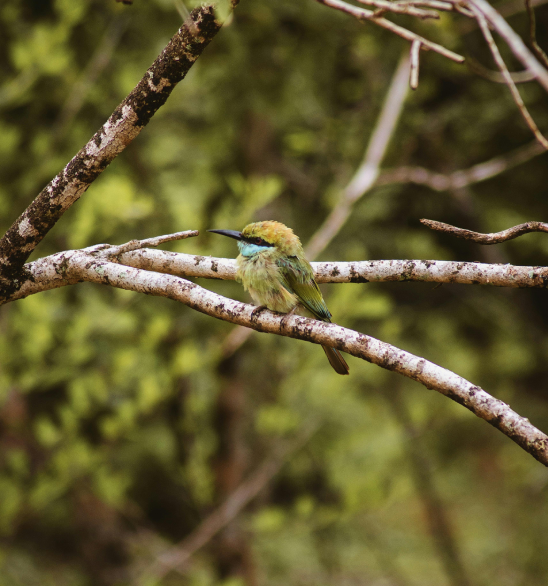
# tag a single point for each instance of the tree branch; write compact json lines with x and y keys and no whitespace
{"x":366,"y":174}
{"x":399,"y":8}
{"x":493,"y":238}
{"x":364,"y":14}
{"x":414,"y":71}
{"x":50,"y":272}
{"x":83,"y":266}
{"x":121,"y":128}
{"x":497,"y":77}
{"x":464,"y":177}
{"x":506,"y":10}
{"x":541,"y":55}
{"x":484,"y":14}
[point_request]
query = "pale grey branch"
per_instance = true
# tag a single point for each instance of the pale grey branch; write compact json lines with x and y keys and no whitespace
{"x":414,"y":70}
{"x":464,"y":177}
{"x":83,"y":266}
{"x":48,"y":273}
{"x":366,"y":174}
{"x":399,"y":8}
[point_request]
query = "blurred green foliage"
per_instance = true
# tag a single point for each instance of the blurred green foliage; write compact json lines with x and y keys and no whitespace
{"x":121,"y":425}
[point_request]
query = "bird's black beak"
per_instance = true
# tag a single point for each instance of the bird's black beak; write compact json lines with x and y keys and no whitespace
{"x":230,"y":233}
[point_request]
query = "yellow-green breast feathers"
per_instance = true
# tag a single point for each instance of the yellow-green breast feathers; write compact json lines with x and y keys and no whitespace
{"x":272,"y":267}
{"x":278,"y":275}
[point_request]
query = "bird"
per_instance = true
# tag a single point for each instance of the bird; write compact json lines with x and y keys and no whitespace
{"x":273,"y":269}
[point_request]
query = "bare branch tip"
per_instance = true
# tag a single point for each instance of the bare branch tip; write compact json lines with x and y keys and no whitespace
{"x":414,"y":67}
{"x":491,"y":238}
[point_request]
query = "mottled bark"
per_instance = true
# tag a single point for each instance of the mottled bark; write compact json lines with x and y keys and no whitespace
{"x":47,"y":273}
{"x":82,"y":266}
{"x":126,"y":122}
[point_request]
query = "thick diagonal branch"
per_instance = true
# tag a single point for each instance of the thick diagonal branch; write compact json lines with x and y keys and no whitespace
{"x":111,"y":139}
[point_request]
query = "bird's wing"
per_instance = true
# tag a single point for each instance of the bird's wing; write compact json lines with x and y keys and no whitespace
{"x":300,"y":281}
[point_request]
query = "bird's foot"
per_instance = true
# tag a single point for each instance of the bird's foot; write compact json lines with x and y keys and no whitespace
{"x":288,"y":314}
{"x":255,"y":313}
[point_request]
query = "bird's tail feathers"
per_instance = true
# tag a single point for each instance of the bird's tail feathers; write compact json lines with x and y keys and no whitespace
{"x":336,"y":360}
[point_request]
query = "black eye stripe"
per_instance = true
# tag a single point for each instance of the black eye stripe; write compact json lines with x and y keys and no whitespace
{"x":258,"y":241}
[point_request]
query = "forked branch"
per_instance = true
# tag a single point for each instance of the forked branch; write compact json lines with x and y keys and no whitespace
{"x":485,"y":16}
{"x":375,"y":18}
{"x":484,"y":26}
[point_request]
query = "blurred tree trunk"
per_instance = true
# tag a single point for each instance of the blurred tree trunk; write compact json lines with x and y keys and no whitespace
{"x":232,"y":550}
{"x":439,"y":525}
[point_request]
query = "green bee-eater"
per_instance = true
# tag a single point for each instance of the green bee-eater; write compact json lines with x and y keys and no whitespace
{"x":272,"y":267}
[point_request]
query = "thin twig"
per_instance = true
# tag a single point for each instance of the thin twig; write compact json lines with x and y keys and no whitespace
{"x":464,"y":177}
{"x":496,"y":76}
{"x":364,"y":14}
{"x":400,"y":8}
{"x":533,"y":34}
{"x":434,"y":4}
{"x":506,"y":10}
{"x":177,"y":557}
{"x":484,"y":26}
{"x":414,"y":70}
{"x":493,"y":238}
{"x":108,"y":250}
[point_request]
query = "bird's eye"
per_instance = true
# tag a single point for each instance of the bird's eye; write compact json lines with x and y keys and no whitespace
{"x":259,"y":241}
